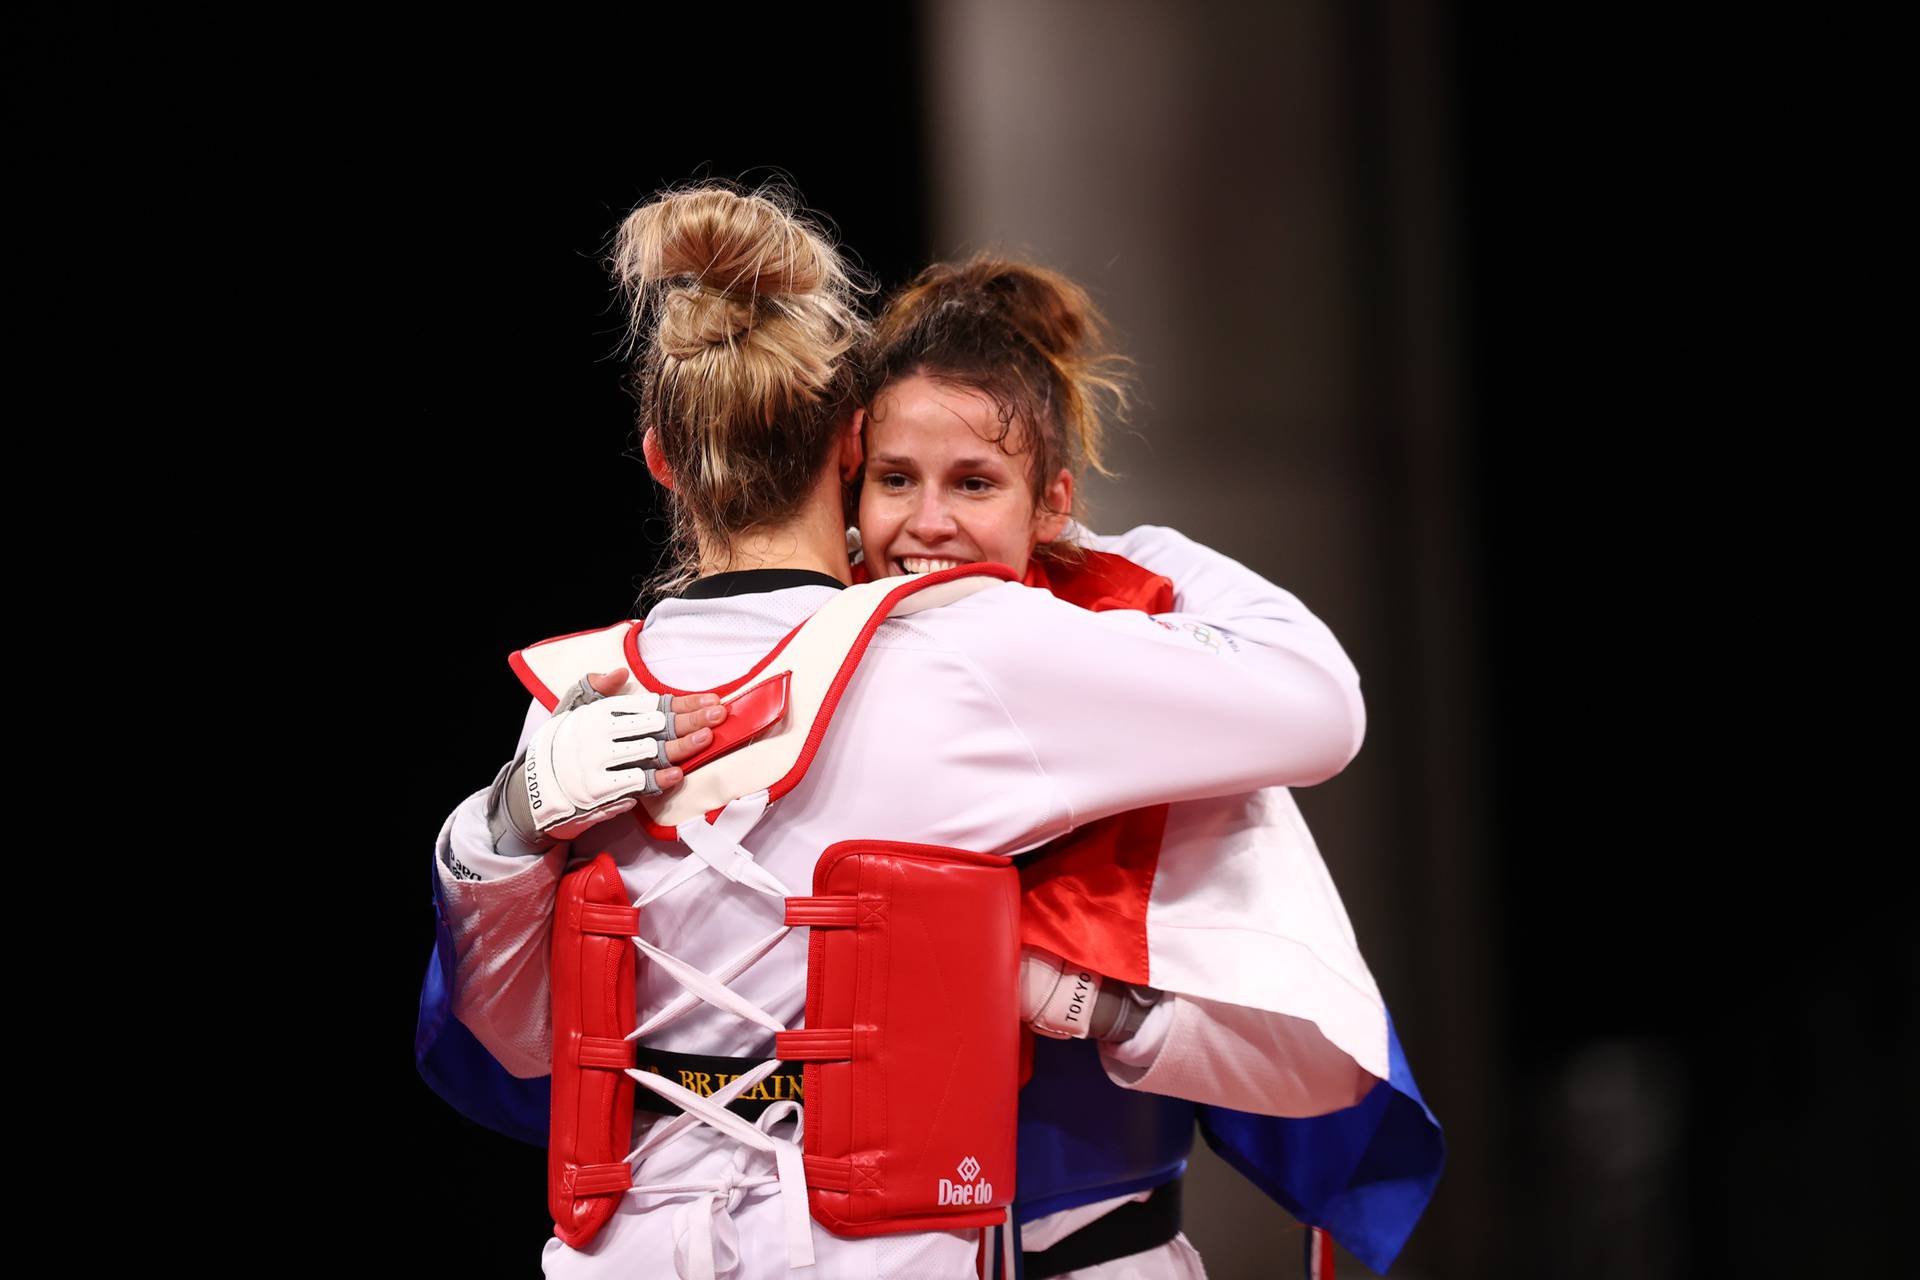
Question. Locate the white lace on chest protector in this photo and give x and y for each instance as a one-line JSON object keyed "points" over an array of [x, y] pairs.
{"points": [[705, 1245]]}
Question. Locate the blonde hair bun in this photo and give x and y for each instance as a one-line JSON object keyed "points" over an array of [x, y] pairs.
{"points": [[743, 316], [721, 266]]}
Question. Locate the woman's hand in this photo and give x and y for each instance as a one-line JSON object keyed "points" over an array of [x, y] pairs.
{"points": [[598, 754], [695, 717], [1070, 1002]]}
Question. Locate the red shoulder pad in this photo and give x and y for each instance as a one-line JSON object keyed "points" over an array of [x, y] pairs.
{"points": [[548, 667]]}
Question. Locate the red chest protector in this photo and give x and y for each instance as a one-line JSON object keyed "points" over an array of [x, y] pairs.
{"points": [[911, 1037], [592, 979]]}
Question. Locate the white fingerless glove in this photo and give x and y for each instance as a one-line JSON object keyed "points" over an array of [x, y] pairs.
{"points": [[1068, 1002], [592, 760]]}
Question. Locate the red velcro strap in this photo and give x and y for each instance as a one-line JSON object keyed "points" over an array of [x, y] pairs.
{"points": [[814, 1044], [598, 917], [599, 1179], [748, 714], [823, 912], [600, 1051], [824, 1174]]}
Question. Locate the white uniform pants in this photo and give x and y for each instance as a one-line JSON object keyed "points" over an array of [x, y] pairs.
{"points": [[1174, 1260], [749, 1238]]}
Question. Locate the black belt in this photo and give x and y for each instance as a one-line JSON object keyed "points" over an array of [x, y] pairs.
{"points": [[706, 1074], [1132, 1228]]}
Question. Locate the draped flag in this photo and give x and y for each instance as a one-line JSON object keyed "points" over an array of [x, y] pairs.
{"points": [[1229, 900]]}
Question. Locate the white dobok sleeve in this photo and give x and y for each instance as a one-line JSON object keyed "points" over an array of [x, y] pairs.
{"points": [[466, 850], [1207, 585], [500, 910], [1226, 1055], [1242, 689]]}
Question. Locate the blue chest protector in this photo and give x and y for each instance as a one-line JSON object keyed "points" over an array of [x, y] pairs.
{"points": [[1084, 1138], [1364, 1174]]}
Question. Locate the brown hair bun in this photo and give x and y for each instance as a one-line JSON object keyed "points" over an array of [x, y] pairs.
{"points": [[1028, 338]]}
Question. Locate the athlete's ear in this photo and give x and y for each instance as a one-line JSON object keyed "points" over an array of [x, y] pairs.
{"points": [[853, 447], [656, 460], [1056, 508]]}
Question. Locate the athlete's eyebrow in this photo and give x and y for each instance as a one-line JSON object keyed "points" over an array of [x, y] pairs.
{"points": [[984, 462]]}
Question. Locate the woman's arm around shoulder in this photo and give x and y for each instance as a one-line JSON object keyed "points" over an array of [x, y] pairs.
{"points": [[1241, 690], [1209, 585]]}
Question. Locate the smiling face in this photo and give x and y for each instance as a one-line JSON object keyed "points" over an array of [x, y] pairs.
{"points": [[939, 491]]}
